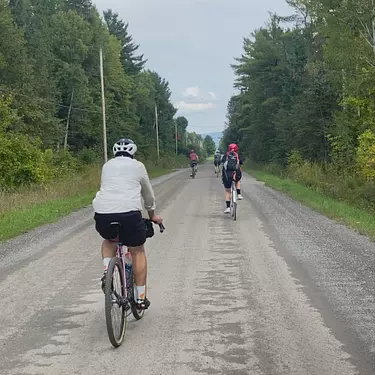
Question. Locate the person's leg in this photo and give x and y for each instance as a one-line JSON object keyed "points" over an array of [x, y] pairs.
{"points": [[102, 226], [238, 184], [226, 177], [108, 252], [135, 234], [140, 270]]}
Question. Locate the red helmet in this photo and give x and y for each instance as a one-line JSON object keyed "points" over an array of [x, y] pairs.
{"points": [[233, 147]]}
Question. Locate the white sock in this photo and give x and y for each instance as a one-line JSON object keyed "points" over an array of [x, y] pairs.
{"points": [[106, 262], [141, 291]]}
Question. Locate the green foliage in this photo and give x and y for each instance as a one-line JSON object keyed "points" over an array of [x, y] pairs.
{"points": [[366, 156], [132, 64], [21, 161], [50, 78], [305, 104], [209, 145]]}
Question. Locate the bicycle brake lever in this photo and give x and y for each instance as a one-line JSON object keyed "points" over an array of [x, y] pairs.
{"points": [[162, 228]]}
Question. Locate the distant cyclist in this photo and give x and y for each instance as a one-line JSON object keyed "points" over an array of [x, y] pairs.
{"points": [[123, 181], [231, 169], [194, 160], [217, 161]]}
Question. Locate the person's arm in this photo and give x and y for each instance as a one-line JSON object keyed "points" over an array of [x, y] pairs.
{"points": [[147, 192]]}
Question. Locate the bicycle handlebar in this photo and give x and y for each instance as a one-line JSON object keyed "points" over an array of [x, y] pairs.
{"points": [[161, 226]]}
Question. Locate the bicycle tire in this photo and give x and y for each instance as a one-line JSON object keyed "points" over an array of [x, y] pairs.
{"points": [[235, 211], [116, 341], [138, 314]]}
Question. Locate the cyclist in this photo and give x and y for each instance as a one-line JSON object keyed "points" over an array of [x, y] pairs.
{"points": [[217, 160], [123, 181], [231, 166], [194, 159]]}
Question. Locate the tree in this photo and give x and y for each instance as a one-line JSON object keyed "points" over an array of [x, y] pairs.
{"points": [[132, 63], [50, 77], [209, 145], [182, 124]]}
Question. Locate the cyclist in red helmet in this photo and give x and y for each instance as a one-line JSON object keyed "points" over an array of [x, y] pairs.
{"points": [[231, 164], [194, 160]]}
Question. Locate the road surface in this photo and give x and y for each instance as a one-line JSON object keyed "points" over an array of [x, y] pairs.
{"points": [[281, 291]]}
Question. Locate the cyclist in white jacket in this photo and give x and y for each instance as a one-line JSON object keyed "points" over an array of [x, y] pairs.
{"points": [[123, 181]]}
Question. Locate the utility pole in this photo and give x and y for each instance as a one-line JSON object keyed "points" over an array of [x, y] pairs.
{"points": [[103, 107], [157, 130], [175, 129], [67, 121]]}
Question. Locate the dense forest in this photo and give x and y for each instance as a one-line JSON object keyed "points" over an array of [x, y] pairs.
{"points": [[50, 91], [306, 97]]}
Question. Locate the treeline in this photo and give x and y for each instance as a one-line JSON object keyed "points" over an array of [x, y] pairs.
{"points": [[306, 100], [50, 92]]}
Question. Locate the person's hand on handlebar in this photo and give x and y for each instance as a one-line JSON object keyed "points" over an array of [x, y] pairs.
{"points": [[157, 219]]}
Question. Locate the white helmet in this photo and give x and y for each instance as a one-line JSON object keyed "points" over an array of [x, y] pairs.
{"points": [[125, 145]]}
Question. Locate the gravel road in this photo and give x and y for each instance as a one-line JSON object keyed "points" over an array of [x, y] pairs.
{"points": [[283, 290]]}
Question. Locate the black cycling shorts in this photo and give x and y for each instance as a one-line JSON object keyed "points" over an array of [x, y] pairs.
{"points": [[132, 230], [217, 162], [227, 178]]}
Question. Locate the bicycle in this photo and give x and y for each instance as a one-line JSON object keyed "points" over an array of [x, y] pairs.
{"points": [[233, 198], [124, 296], [193, 169], [217, 170]]}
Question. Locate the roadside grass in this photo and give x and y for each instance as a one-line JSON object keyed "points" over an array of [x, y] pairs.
{"points": [[356, 218], [29, 208]]}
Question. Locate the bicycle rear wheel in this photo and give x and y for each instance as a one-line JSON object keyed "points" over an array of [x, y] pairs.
{"points": [[234, 202], [115, 301]]}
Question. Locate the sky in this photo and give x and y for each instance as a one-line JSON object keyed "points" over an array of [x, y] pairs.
{"points": [[191, 43]]}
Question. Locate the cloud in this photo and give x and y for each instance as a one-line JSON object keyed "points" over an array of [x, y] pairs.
{"points": [[194, 99], [196, 92], [191, 92], [186, 107]]}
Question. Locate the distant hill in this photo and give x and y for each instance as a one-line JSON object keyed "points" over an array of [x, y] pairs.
{"points": [[215, 136]]}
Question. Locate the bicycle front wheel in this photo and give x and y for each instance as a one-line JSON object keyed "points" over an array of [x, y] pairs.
{"points": [[115, 303]]}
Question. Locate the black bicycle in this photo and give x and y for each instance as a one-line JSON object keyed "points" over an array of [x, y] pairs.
{"points": [[193, 169], [119, 289]]}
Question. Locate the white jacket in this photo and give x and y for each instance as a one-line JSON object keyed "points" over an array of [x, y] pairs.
{"points": [[124, 181]]}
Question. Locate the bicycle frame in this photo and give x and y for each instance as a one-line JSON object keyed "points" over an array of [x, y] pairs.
{"points": [[120, 253]]}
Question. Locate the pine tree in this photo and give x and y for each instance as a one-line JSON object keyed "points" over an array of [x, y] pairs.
{"points": [[132, 63]]}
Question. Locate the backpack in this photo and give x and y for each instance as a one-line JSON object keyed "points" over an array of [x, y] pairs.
{"points": [[231, 163]]}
